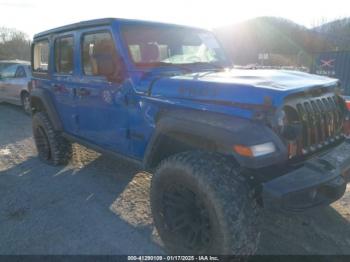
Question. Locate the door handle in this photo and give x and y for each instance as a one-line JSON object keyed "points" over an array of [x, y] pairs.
{"points": [[58, 88], [83, 91]]}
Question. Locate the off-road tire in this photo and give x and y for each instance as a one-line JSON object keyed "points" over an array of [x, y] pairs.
{"points": [[229, 200], [59, 150]]}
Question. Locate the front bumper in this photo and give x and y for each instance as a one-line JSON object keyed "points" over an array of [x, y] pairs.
{"points": [[320, 181]]}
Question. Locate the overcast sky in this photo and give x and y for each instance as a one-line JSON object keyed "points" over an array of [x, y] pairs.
{"points": [[32, 16]]}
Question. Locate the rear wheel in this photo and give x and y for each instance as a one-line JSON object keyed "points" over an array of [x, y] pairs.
{"points": [[201, 205], [52, 148], [26, 103]]}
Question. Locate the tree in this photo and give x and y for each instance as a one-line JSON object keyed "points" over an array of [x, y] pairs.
{"points": [[14, 44]]}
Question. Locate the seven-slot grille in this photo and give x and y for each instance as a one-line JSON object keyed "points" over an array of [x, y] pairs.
{"points": [[322, 122]]}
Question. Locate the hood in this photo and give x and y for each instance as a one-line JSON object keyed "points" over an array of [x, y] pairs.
{"points": [[237, 86]]}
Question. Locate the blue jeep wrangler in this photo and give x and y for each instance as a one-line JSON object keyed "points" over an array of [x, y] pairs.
{"points": [[221, 143]]}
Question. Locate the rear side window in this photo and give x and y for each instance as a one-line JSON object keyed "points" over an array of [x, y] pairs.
{"points": [[41, 56], [64, 53], [94, 47]]}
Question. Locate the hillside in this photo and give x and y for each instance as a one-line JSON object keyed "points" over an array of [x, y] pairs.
{"points": [[287, 42], [337, 32]]}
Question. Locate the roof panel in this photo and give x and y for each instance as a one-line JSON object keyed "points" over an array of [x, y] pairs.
{"points": [[100, 22], [70, 27]]}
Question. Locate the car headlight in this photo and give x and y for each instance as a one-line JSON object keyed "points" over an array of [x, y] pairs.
{"points": [[288, 123], [255, 150], [282, 119]]}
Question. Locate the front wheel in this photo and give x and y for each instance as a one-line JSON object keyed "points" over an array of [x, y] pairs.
{"points": [[201, 205]]}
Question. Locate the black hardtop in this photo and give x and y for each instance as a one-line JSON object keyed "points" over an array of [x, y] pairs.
{"points": [[75, 26], [99, 22]]}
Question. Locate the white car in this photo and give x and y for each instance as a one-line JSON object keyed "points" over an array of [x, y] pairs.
{"points": [[15, 76]]}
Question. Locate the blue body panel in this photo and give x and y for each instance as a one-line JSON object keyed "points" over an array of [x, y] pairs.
{"points": [[122, 117]]}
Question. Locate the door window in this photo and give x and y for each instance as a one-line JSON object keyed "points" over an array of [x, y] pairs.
{"points": [[9, 72], [20, 73], [99, 56], [41, 56], [64, 55]]}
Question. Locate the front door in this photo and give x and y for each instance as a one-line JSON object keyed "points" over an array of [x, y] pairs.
{"points": [[102, 108], [17, 84], [9, 83], [2, 89]]}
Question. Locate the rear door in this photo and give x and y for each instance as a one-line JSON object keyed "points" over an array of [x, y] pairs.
{"points": [[63, 84]]}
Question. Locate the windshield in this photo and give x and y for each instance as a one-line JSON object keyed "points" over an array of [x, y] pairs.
{"points": [[152, 45], [5, 65]]}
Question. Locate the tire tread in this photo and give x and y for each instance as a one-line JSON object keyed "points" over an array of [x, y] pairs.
{"points": [[61, 148], [238, 211]]}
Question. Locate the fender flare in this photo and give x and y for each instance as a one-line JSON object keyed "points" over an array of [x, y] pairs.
{"points": [[222, 130], [42, 98]]}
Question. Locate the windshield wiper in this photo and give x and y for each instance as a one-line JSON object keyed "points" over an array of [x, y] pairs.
{"points": [[164, 64], [220, 67], [182, 66]]}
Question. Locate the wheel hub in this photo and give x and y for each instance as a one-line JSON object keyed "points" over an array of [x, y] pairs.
{"points": [[187, 218]]}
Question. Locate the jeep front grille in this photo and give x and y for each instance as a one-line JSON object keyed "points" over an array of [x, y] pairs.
{"points": [[322, 122]]}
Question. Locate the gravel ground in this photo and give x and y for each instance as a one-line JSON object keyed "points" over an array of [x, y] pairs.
{"points": [[98, 205]]}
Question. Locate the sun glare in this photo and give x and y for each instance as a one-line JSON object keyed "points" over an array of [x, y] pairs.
{"points": [[37, 15]]}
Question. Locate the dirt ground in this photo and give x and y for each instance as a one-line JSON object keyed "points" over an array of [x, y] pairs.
{"points": [[98, 205]]}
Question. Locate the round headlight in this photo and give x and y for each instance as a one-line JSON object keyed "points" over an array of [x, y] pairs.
{"points": [[288, 123], [282, 118]]}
